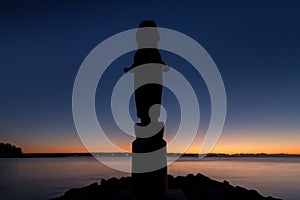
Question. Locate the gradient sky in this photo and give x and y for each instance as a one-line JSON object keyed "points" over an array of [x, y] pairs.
{"points": [[255, 45]]}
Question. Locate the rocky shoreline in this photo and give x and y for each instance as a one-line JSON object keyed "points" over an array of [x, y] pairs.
{"points": [[194, 187]]}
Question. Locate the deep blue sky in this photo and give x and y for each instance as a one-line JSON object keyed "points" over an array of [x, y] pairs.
{"points": [[255, 45]]}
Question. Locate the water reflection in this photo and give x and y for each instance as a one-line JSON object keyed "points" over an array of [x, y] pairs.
{"points": [[42, 178]]}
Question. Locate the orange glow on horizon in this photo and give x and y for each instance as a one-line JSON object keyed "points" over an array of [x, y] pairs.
{"points": [[221, 147], [229, 143]]}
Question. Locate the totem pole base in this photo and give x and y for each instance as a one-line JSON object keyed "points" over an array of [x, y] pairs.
{"points": [[148, 154], [151, 184]]}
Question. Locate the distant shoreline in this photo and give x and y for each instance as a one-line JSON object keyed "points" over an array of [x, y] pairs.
{"points": [[55, 155]]}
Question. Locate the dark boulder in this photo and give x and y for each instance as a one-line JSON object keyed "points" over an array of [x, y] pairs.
{"points": [[195, 187]]}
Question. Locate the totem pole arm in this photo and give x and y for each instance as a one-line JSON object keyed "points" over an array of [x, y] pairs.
{"points": [[166, 68], [128, 69]]}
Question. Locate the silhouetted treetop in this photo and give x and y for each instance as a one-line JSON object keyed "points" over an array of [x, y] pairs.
{"points": [[9, 150]]}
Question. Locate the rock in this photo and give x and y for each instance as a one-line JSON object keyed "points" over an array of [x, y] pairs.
{"points": [[194, 187], [225, 182]]}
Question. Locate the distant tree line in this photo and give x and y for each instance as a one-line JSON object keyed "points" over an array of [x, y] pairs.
{"points": [[9, 150]]}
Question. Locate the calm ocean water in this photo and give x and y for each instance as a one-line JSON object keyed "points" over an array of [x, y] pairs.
{"points": [[44, 178]]}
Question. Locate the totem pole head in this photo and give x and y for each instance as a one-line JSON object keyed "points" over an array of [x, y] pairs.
{"points": [[147, 35]]}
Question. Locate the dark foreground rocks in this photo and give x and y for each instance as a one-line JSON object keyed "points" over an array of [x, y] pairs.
{"points": [[195, 187]]}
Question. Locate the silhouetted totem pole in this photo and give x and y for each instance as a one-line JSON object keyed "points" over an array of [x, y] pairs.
{"points": [[149, 148]]}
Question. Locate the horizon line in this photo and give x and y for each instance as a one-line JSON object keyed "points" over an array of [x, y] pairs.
{"points": [[230, 154]]}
